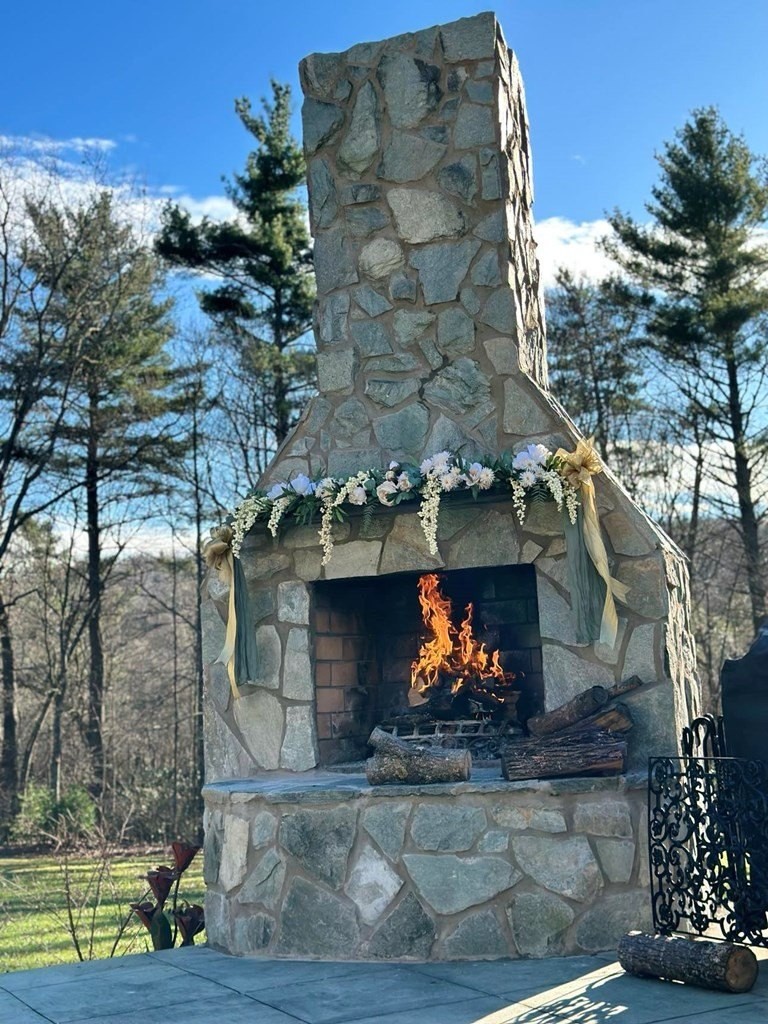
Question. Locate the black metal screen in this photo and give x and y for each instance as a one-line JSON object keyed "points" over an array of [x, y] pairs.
{"points": [[708, 840]]}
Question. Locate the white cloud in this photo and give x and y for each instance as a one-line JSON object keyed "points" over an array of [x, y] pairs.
{"points": [[71, 170], [213, 207], [43, 145], [564, 243]]}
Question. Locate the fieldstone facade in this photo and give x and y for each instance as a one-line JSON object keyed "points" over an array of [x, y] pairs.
{"points": [[480, 870], [430, 336]]}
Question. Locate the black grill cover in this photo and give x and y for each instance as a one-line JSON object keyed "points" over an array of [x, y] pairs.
{"points": [[744, 683]]}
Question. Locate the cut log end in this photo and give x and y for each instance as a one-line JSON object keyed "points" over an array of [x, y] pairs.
{"points": [[717, 965], [397, 762]]}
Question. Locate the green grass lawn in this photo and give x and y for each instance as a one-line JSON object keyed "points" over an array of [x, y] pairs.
{"points": [[33, 906]]}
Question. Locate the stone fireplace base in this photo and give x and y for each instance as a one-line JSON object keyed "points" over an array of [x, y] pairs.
{"points": [[326, 866]]}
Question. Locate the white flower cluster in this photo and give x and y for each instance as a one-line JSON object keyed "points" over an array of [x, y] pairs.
{"points": [[243, 518], [352, 490], [518, 499], [300, 484], [429, 510], [534, 464], [278, 511], [442, 475]]}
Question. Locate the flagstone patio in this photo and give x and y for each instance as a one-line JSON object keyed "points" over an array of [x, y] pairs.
{"points": [[199, 985]]}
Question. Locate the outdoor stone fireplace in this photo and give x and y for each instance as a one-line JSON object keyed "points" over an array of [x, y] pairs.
{"points": [[430, 336]]}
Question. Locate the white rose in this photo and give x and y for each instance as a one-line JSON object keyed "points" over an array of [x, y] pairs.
{"points": [[394, 465], [358, 496], [531, 456], [302, 484], [404, 482], [383, 492]]}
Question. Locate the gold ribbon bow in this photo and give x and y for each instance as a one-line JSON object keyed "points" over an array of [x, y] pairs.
{"points": [[218, 555], [578, 468]]}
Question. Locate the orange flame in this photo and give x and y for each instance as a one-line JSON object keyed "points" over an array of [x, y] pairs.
{"points": [[450, 651]]}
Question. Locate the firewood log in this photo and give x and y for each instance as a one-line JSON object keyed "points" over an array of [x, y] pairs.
{"points": [[631, 683], [719, 965], [574, 710], [396, 761], [591, 753], [615, 718]]}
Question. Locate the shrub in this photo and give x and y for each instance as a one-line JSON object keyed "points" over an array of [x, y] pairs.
{"points": [[42, 819]]}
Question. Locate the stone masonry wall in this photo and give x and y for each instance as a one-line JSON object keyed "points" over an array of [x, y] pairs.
{"points": [[437, 873]]}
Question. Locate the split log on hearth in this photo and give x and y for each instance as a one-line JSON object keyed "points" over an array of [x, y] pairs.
{"points": [[719, 965], [574, 710], [614, 718], [396, 761], [593, 753]]}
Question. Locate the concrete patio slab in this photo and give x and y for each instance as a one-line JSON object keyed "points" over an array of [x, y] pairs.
{"points": [[200, 985], [511, 977], [352, 997], [609, 994]]}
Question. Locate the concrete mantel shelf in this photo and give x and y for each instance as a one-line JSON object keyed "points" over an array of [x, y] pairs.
{"points": [[319, 786]]}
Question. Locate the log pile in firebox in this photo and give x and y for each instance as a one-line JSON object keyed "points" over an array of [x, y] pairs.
{"points": [[454, 675]]}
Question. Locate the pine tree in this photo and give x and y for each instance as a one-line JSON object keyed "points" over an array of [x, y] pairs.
{"points": [[700, 268], [120, 441], [262, 309], [594, 357]]}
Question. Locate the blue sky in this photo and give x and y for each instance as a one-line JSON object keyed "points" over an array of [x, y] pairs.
{"points": [[607, 80]]}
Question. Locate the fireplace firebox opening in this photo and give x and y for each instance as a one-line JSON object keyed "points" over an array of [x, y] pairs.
{"points": [[369, 634]]}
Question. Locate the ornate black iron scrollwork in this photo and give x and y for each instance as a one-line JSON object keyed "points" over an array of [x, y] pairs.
{"points": [[708, 840]]}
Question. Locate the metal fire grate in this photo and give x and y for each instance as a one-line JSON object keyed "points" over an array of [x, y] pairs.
{"points": [[482, 738], [708, 841]]}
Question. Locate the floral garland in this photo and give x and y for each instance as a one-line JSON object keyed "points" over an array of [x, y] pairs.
{"points": [[533, 472]]}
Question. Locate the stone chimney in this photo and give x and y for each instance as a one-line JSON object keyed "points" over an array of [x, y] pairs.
{"points": [[429, 324]]}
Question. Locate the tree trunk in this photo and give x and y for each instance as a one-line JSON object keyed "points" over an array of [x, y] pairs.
{"points": [[198, 744], [175, 695], [56, 745], [718, 965], [9, 759], [747, 513], [34, 734], [282, 405], [94, 732]]}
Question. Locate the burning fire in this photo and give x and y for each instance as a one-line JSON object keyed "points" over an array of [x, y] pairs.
{"points": [[452, 656]]}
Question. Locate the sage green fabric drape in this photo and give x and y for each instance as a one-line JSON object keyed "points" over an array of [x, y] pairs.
{"points": [[587, 588], [246, 653]]}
